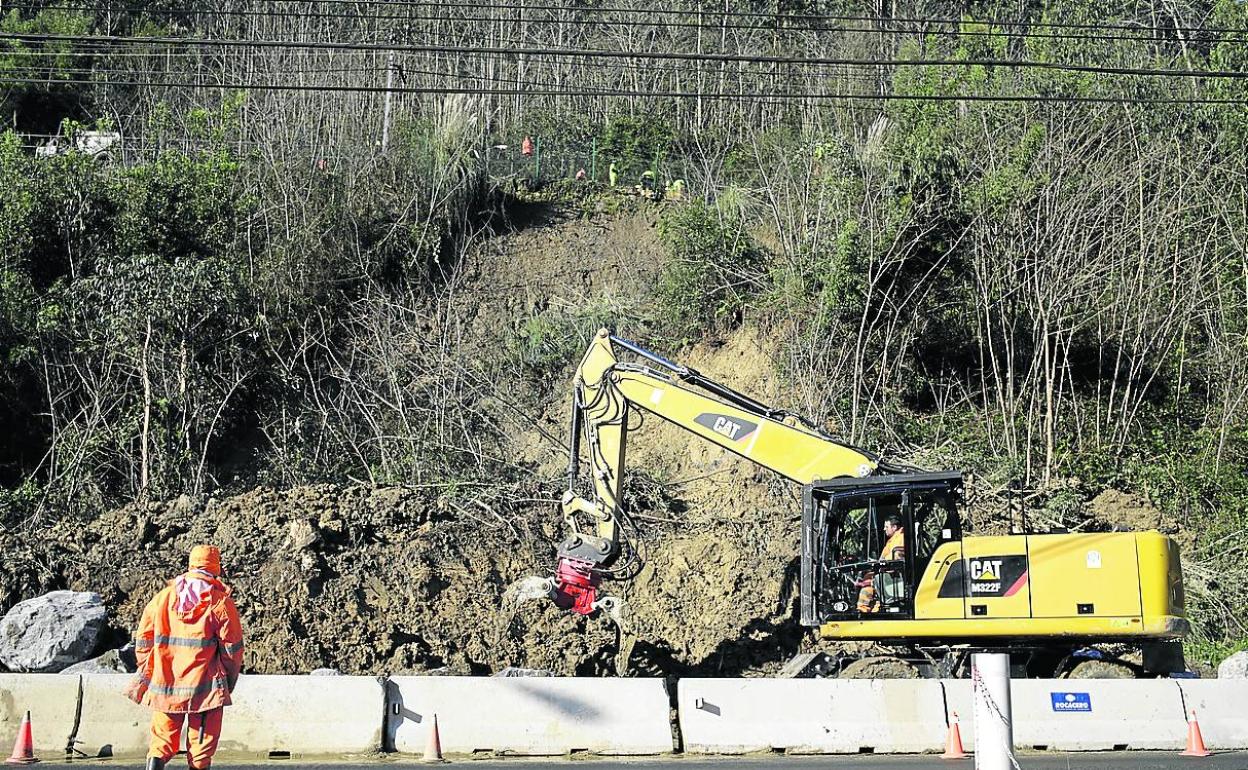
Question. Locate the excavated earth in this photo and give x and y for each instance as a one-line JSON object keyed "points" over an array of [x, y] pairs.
{"points": [[386, 580]]}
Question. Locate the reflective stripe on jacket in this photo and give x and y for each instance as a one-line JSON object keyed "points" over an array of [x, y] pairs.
{"points": [[189, 647]]}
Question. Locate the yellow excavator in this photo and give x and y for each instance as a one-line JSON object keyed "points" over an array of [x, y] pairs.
{"points": [[883, 556]]}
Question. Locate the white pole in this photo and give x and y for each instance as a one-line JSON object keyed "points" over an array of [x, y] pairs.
{"points": [[385, 117], [994, 728]]}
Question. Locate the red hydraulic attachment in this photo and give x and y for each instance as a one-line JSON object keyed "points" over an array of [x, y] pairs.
{"points": [[576, 585]]}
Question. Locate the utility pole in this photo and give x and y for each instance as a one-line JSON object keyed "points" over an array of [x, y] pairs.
{"points": [[385, 117]]}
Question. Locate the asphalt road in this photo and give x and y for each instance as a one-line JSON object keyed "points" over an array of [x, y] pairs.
{"points": [[1120, 760]]}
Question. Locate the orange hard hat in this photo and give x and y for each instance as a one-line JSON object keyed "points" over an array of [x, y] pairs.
{"points": [[207, 558]]}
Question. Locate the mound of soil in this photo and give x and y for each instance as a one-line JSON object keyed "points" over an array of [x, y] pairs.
{"points": [[388, 580], [1127, 512]]}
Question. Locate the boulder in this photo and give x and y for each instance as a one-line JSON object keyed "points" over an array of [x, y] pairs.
{"points": [[1234, 667], [325, 672], [111, 662], [53, 631]]}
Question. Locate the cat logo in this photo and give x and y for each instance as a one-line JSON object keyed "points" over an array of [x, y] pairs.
{"points": [[998, 575], [986, 569], [730, 427], [986, 576]]}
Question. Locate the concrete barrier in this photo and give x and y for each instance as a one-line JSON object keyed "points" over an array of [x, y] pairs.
{"points": [[305, 715], [810, 716], [1221, 707], [278, 716], [1084, 714], [272, 716], [537, 716], [52, 701]]}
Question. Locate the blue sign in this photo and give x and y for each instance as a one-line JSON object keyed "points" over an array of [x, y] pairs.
{"points": [[1072, 701]]}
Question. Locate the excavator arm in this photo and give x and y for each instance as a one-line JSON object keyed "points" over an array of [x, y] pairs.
{"points": [[606, 390]]}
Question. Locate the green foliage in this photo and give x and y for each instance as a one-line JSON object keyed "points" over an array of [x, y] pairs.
{"points": [[1014, 182], [181, 204], [59, 57], [1211, 652], [40, 103], [636, 144], [840, 278], [19, 502], [126, 273], [714, 267], [552, 338]]}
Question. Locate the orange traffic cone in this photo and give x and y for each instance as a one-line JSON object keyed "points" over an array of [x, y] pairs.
{"points": [[1195, 741], [953, 743], [24, 746], [433, 746]]}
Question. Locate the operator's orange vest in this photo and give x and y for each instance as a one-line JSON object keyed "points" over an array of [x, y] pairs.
{"points": [[895, 548], [189, 656]]}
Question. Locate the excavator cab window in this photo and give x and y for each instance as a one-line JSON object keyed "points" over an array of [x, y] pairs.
{"points": [[865, 564], [855, 564]]}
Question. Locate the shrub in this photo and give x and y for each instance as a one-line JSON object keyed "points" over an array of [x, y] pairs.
{"points": [[714, 269]]}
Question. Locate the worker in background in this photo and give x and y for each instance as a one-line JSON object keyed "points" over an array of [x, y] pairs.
{"points": [[613, 174], [526, 147], [649, 183], [675, 190], [189, 648], [894, 550]]}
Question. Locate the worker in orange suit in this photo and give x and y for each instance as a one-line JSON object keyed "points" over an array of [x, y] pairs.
{"points": [[190, 651], [894, 550]]}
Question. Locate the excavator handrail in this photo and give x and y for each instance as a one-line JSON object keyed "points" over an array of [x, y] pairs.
{"points": [[694, 377]]}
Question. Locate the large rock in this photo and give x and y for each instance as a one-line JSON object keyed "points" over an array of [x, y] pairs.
{"points": [[112, 662], [1234, 667], [50, 632]]}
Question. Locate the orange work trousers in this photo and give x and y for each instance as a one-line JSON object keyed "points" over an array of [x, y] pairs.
{"points": [[203, 731]]}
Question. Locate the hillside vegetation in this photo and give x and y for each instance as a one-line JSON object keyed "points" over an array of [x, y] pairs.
{"points": [[1036, 273]]}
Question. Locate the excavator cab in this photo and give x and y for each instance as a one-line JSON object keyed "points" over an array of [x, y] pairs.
{"points": [[850, 568]]}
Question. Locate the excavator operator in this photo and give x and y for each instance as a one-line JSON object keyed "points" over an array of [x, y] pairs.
{"points": [[894, 550]]}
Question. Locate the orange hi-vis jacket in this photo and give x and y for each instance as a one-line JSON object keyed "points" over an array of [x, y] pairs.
{"points": [[189, 647], [895, 548]]}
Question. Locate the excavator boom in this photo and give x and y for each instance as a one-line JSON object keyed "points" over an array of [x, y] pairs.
{"points": [[606, 390]]}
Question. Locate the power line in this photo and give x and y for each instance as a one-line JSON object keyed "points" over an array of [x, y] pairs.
{"points": [[47, 73], [877, 20], [51, 71], [218, 12], [616, 54], [758, 97]]}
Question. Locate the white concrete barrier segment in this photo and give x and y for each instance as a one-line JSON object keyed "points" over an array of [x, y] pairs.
{"points": [[52, 701], [271, 716], [304, 715], [1221, 707], [1084, 714], [811, 716], [537, 716]]}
